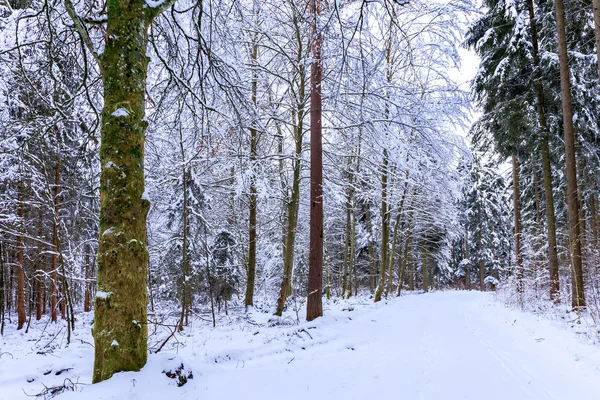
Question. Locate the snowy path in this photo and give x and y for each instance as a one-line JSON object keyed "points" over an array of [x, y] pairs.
{"points": [[451, 345]]}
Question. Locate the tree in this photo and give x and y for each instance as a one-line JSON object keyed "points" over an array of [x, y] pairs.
{"points": [[120, 319], [314, 307], [578, 299]]}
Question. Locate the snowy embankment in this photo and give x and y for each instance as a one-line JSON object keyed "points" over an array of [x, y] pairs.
{"points": [[445, 345]]}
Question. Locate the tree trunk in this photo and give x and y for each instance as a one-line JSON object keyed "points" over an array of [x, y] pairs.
{"points": [[87, 296], [517, 216], [253, 197], [468, 267], [54, 276], [346, 261], [578, 300], [596, 10], [384, 228], [371, 247], [314, 306], [292, 208], [40, 289], [546, 167], [120, 319], [21, 314], [424, 271], [2, 289]]}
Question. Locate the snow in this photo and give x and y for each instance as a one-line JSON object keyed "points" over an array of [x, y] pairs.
{"points": [[154, 3], [121, 112], [444, 345], [103, 295], [145, 195]]}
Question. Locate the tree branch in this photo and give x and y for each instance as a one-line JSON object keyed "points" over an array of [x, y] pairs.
{"points": [[80, 28]]}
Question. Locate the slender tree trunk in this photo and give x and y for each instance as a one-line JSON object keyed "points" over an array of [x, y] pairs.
{"points": [[481, 264], [54, 276], [184, 246], [40, 289], [345, 261], [546, 167], [253, 197], [578, 300], [594, 219], [293, 205], [596, 10], [21, 314], [468, 267], [371, 247], [2, 289], [424, 270], [120, 319], [87, 296], [384, 228], [314, 306], [517, 216]]}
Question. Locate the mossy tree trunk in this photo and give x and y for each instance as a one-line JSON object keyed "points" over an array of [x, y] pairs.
{"points": [[120, 320]]}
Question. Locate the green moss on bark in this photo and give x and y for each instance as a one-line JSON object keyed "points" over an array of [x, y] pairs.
{"points": [[120, 320]]}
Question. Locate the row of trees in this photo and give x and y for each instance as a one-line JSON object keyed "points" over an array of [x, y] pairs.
{"points": [[161, 150], [538, 89]]}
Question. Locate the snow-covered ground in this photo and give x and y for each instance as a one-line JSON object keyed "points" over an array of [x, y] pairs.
{"points": [[444, 345]]}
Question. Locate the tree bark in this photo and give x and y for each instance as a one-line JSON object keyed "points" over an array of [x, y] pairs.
{"points": [[54, 276], [120, 320], [253, 196], [517, 216], [596, 10], [546, 167], [578, 299], [314, 306], [40, 289], [384, 228], [21, 314], [87, 296], [292, 207]]}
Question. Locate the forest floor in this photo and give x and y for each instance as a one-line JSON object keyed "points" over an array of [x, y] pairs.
{"points": [[443, 345]]}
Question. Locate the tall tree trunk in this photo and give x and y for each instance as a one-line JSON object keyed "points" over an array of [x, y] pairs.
{"points": [[480, 263], [345, 262], [292, 207], [578, 300], [546, 167], [253, 196], [517, 216], [385, 215], [87, 296], [370, 246], [40, 289], [184, 245], [2, 289], [314, 306], [120, 318], [21, 314], [468, 266], [596, 10], [424, 269], [54, 276]]}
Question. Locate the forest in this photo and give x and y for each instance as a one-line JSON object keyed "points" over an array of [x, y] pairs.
{"points": [[173, 170]]}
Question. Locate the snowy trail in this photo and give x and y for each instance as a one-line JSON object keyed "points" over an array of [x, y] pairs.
{"points": [[448, 345]]}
